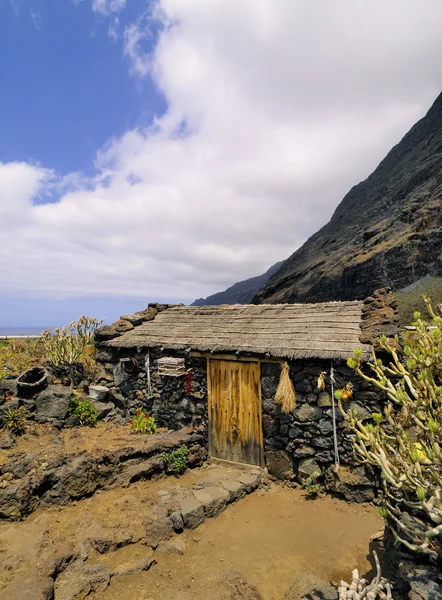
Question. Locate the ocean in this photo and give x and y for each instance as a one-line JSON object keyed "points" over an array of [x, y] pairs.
{"points": [[21, 331]]}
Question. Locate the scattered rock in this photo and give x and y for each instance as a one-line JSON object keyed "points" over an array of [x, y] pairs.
{"points": [[174, 546], [80, 580], [239, 588], [177, 521], [128, 560]]}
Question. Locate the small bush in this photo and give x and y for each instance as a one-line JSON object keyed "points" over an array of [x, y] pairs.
{"points": [[176, 460], [143, 423], [15, 420], [311, 487], [85, 411]]}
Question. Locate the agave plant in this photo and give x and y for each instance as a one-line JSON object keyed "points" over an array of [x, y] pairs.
{"points": [[15, 420]]}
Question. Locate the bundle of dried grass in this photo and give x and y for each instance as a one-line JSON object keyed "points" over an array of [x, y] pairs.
{"points": [[285, 393]]}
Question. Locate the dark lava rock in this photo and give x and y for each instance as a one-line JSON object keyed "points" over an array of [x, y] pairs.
{"points": [[105, 333], [354, 484], [122, 325], [53, 404], [31, 381]]}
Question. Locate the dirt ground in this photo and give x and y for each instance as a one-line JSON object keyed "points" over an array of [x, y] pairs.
{"points": [[273, 538], [49, 443]]}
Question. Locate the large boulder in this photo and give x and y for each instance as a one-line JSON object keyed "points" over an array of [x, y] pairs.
{"points": [[53, 404], [280, 464]]}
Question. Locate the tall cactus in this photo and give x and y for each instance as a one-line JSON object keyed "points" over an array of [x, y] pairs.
{"points": [[404, 441]]}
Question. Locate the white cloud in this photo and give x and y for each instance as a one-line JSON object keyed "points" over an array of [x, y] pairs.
{"points": [[275, 110], [106, 7]]}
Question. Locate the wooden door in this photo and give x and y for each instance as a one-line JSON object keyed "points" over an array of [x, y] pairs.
{"points": [[235, 413]]}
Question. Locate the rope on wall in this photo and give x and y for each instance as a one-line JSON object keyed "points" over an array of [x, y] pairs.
{"points": [[335, 435], [147, 366]]}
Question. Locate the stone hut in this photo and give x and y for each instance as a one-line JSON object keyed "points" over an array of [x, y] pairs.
{"points": [[217, 368]]}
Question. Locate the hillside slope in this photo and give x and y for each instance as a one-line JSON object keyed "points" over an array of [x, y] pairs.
{"points": [[241, 292], [386, 231]]}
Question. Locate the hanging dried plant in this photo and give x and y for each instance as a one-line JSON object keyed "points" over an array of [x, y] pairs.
{"points": [[285, 393], [321, 381]]}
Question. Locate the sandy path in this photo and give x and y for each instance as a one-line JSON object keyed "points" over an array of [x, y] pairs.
{"points": [[273, 538]]}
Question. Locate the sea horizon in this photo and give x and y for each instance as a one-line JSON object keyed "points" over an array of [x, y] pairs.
{"points": [[22, 331]]}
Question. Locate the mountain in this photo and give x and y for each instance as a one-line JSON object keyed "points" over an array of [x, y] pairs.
{"points": [[239, 293], [386, 231]]}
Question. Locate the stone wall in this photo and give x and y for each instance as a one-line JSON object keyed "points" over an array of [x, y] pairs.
{"points": [[297, 445], [300, 444], [174, 402]]}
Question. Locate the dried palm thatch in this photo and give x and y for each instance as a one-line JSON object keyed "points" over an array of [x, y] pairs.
{"points": [[285, 393], [287, 331]]}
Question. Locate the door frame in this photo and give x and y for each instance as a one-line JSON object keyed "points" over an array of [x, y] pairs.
{"points": [[223, 357]]}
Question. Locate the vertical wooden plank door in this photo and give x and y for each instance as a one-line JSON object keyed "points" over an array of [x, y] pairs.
{"points": [[235, 412]]}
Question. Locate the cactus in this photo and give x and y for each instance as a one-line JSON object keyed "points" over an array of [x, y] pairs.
{"points": [[405, 439]]}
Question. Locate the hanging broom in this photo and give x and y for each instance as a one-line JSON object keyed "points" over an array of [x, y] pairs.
{"points": [[285, 393]]}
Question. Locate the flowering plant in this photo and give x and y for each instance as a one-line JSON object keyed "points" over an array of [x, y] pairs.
{"points": [[142, 422]]}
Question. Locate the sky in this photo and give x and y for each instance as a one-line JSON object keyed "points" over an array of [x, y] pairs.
{"points": [[163, 150]]}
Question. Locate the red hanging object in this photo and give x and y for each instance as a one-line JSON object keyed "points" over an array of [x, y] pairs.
{"points": [[188, 382]]}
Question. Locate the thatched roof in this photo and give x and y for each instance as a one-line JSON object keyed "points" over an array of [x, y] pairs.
{"points": [[327, 330]]}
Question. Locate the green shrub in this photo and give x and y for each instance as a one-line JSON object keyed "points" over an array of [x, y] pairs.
{"points": [[176, 460], [15, 420], [85, 411], [311, 487], [143, 423]]}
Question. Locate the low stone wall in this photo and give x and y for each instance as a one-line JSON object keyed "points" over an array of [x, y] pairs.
{"points": [[33, 480]]}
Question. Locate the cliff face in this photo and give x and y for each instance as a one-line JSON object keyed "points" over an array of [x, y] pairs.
{"points": [[241, 292], [387, 231]]}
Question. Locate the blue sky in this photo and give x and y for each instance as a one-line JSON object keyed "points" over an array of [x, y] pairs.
{"points": [[160, 150], [66, 84]]}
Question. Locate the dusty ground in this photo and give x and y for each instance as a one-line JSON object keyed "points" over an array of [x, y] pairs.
{"points": [[273, 538], [49, 443]]}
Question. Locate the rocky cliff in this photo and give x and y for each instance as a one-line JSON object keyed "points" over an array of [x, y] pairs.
{"points": [[241, 292], [387, 231]]}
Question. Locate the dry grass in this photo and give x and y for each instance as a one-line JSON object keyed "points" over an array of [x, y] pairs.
{"points": [[285, 393], [18, 355]]}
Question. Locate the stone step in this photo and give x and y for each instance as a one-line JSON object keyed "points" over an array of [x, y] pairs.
{"points": [[210, 496]]}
